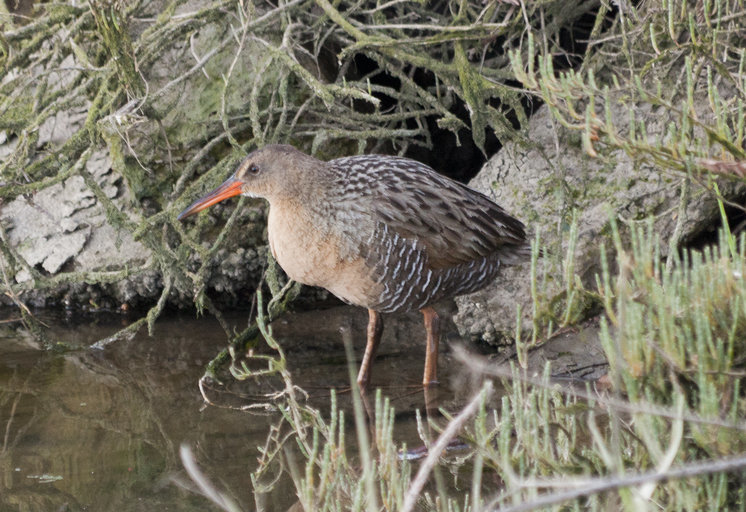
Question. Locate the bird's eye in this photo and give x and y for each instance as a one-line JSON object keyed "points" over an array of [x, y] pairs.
{"points": [[253, 169]]}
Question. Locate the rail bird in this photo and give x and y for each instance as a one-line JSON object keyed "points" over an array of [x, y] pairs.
{"points": [[382, 232]]}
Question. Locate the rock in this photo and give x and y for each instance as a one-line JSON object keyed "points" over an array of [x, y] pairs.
{"points": [[62, 231], [63, 228], [64, 223], [546, 184]]}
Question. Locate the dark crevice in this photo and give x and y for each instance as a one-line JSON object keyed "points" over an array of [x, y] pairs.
{"points": [[708, 234]]}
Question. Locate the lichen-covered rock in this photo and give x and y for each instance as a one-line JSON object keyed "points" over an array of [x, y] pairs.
{"points": [[66, 248], [554, 179], [63, 227], [64, 221]]}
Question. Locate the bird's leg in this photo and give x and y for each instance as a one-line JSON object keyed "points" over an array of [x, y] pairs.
{"points": [[375, 329], [431, 404], [432, 326]]}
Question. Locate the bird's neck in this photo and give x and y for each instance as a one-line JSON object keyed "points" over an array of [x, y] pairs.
{"points": [[300, 185], [306, 211]]}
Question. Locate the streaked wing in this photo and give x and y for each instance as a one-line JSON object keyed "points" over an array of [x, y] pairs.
{"points": [[454, 223]]}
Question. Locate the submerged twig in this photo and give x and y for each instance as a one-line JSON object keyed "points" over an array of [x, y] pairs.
{"points": [[206, 487]]}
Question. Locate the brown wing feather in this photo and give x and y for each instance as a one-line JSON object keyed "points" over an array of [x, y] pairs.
{"points": [[459, 226], [454, 223]]}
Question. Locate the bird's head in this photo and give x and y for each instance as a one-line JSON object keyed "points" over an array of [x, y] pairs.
{"points": [[273, 172]]}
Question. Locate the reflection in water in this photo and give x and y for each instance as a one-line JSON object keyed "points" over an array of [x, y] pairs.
{"points": [[101, 429]]}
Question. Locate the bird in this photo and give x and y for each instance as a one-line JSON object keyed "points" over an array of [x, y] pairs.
{"points": [[383, 232]]}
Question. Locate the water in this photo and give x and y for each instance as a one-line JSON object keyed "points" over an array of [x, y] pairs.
{"points": [[101, 429]]}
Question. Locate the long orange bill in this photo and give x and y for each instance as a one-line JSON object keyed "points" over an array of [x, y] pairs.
{"points": [[231, 187]]}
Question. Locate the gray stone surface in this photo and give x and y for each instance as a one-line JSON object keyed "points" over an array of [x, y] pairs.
{"points": [[64, 224], [63, 228], [546, 184]]}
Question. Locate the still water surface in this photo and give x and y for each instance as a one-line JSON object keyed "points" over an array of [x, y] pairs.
{"points": [[101, 429]]}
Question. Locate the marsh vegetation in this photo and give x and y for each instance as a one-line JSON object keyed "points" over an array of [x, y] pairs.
{"points": [[116, 115]]}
